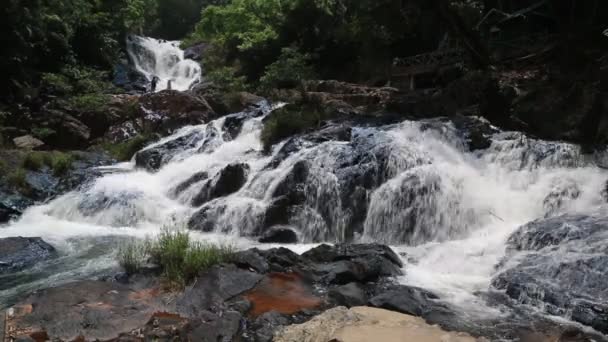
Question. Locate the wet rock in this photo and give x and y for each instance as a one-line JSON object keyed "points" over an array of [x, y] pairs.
{"points": [[279, 234], [153, 158], [91, 204], [229, 180], [195, 178], [27, 142], [349, 295], [560, 263], [215, 286], [201, 220], [406, 299], [17, 253], [562, 193], [290, 192], [195, 52], [282, 259], [285, 293], [129, 78], [345, 263], [267, 324], [168, 110], [367, 324], [251, 259]]}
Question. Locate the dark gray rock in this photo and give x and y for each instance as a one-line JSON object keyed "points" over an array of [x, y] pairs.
{"points": [[282, 259], [154, 158], [349, 295], [267, 324], [251, 259], [224, 327], [195, 52], [229, 180], [559, 264], [345, 263], [215, 286], [195, 178], [279, 234], [18, 253]]}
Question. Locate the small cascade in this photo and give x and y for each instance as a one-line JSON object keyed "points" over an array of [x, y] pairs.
{"points": [[164, 60]]}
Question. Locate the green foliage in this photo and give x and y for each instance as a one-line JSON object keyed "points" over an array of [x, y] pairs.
{"points": [[288, 71], [180, 258], [226, 79], [58, 162], [94, 102], [124, 151], [288, 121], [56, 83], [18, 180], [43, 132], [3, 167]]}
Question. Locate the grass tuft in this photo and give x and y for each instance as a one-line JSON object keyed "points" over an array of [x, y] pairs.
{"points": [[180, 258], [124, 151]]}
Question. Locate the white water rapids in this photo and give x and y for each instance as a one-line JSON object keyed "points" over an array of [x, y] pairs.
{"points": [[449, 211], [462, 221], [165, 60]]}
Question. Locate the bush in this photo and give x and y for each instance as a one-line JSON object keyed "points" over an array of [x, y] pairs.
{"points": [[18, 180], [180, 258], [288, 71], [226, 79], [288, 121], [94, 102], [59, 162], [56, 84], [124, 151], [34, 161]]}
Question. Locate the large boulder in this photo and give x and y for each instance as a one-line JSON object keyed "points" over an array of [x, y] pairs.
{"points": [[167, 110], [27, 142], [66, 130], [559, 265], [195, 52], [17, 253]]}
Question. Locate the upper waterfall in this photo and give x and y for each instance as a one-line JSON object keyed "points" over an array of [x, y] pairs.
{"points": [[165, 60]]}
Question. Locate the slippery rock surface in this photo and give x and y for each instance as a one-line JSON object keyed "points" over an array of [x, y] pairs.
{"points": [[17, 253], [560, 265], [362, 324]]}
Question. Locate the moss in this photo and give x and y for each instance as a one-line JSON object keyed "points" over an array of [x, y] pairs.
{"points": [[288, 121], [180, 258], [124, 151]]}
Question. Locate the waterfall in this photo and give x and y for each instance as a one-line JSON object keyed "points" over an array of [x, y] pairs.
{"points": [[413, 185], [165, 60]]}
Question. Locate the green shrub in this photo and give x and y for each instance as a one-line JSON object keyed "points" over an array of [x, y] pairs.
{"points": [[3, 167], [180, 258], [288, 71], [43, 132], [18, 180], [124, 151], [227, 79], [61, 162], [288, 121], [34, 161], [133, 254], [56, 83], [94, 102]]}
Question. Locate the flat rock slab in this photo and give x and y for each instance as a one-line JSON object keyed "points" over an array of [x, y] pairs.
{"points": [[84, 310], [363, 324]]}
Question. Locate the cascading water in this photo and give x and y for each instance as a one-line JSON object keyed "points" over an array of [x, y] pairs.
{"points": [[165, 60], [413, 185]]}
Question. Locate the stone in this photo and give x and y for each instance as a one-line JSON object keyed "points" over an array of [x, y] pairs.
{"points": [[27, 142], [267, 324], [279, 234], [213, 287], [18, 253], [195, 178], [153, 158], [195, 52], [165, 111], [349, 295], [251, 259], [561, 263], [363, 324], [229, 180]]}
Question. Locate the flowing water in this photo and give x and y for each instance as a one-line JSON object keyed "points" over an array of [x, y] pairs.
{"points": [[165, 60], [449, 211]]}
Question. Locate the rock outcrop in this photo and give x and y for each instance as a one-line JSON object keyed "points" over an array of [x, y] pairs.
{"points": [[362, 324], [18, 253]]}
